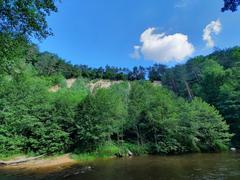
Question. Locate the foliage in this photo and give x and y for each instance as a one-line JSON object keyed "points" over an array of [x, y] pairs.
{"points": [[156, 72], [157, 119], [205, 128], [231, 5], [65, 102], [138, 73], [214, 78], [134, 148], [49, 64], [26, 119], [26, 17], [12, 54], [134, 115], [228, 103], [109, 150], [99, 116]]}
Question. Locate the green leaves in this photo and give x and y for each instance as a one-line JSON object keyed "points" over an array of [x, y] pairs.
{"points": [[26, 17], [214, 78], [100, 116], [156, 119], [32, 119], [29, 121]]}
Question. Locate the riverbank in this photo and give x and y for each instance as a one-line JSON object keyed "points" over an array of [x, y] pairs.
{"points": [[45, 164], [56, 163], [187, 166]]}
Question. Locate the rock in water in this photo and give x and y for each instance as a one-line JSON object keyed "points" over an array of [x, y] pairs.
{"points": [[130, 153]]}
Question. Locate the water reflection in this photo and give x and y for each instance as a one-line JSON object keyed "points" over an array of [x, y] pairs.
{"points": [[194, 166]]}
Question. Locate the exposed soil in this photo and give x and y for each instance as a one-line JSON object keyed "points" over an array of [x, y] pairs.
{"points": [[102, 84], [44, 165], [70, 82]]}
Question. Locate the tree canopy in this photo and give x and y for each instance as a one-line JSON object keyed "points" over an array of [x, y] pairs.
{"points": [[195, 108], [214, 79], [26, 17], [231, 5]]}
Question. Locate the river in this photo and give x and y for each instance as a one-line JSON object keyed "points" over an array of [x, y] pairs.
{"points": [[192, 166]]}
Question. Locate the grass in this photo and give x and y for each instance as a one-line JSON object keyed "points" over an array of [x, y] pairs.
{"points": [[84, 157], [135, 149], [8, 157], [106, 151], [109, 150], [16, 155]]}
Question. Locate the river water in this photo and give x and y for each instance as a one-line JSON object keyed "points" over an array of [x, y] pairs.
{"points": [[193, 166]]}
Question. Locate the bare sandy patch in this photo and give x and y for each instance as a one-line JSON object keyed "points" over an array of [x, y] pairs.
{"points": [[44, 165]]}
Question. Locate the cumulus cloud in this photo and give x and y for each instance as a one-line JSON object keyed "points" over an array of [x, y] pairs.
{"points": [[214, 27], [163, 48]]}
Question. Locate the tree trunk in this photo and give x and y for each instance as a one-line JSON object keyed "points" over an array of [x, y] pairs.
{"points": [[6, 163], [174, 86], [188, 90]]}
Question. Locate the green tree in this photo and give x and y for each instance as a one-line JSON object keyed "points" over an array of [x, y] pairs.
{"points": [[65, 102], [156, 72], [211, 79], [230, 5], [99, 117], [138, 73], [49, 64], [203, 128], [26, 17], [13, 52], [229, 102], [151, 116], [26, 118]]}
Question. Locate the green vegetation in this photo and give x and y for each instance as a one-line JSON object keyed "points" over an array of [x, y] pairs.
{"points": [[26, 17], [34, 120], [214, 78], [135, 115], [109, 150]]}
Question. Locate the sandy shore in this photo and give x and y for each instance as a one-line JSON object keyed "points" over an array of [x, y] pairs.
{"points": [[44, 165]]}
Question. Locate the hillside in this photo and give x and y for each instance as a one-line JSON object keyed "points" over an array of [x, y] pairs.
{"points": [[148, 118], [215, 78], [93, 84]]}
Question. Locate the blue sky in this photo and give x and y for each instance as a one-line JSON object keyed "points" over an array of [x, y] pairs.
{"points": [[101, 32]]}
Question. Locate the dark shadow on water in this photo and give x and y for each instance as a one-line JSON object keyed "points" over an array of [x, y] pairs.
{"points": [[192, 166]]}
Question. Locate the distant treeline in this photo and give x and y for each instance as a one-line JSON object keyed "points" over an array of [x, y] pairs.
{"points": [[49, 64]]}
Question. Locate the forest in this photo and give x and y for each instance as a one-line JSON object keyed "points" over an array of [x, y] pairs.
{"points": [[194, 107]]}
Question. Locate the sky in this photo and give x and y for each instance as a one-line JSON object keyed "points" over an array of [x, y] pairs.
{"points": [[127, 33]]}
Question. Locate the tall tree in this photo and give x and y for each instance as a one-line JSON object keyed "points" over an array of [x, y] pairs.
{"points": [[231, 5], [156, 72], [229, 102], [138, 73], [13, 52], [26, 17]]}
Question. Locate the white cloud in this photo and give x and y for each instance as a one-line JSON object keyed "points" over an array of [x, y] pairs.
{"points": [[164, 48], [184, 3], [181, 3], [136, 54], [214, 27]]}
